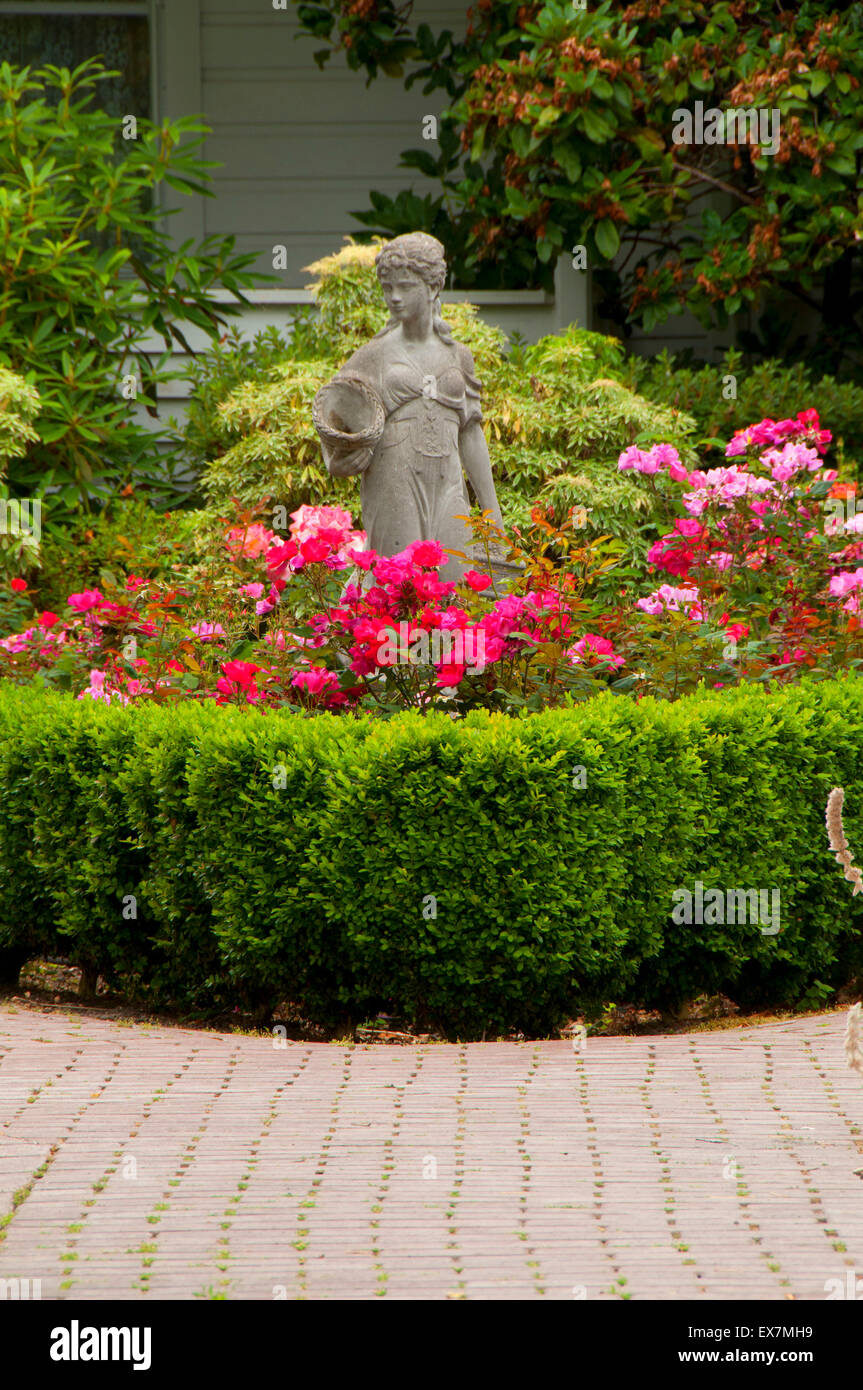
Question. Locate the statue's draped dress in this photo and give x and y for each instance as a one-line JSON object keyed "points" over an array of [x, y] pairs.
{"points": [[414, 487]]}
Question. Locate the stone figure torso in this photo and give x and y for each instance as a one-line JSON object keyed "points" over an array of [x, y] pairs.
{"points": [[414, 487], [404, 412]]}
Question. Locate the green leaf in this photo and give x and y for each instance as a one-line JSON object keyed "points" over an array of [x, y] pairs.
{"points": [[841, 164], [568, 160], [607, 238], [595, 127], [243, 650]]}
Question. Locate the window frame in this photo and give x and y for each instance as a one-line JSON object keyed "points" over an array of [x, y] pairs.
{"points": [[175, 71], [95, 9], [76, 7]]}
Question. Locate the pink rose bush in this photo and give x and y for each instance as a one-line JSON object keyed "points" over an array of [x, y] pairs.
{"points": [[327, 625], [747, 581], [753, 561]]}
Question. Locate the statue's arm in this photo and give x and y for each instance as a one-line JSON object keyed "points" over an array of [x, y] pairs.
{"points": [[344, 458], [477, 465]]}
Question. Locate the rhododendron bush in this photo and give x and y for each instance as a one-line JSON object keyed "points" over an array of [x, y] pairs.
{"points": [[757, 576]]}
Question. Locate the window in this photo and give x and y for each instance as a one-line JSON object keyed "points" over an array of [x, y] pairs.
{"points": [[65, 32]]}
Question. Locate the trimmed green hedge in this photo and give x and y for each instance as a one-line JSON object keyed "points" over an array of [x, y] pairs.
{"points": [[454, 873]]}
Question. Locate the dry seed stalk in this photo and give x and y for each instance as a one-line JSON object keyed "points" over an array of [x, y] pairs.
{"points": [[838, 843]]}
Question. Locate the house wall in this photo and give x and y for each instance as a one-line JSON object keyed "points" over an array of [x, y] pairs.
{"points": [[299, 148]]}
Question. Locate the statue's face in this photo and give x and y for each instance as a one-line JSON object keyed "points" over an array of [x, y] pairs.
{"points": [[406, 293]]}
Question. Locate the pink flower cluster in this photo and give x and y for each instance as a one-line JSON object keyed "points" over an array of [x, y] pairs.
{"points": [[652, 460], [404, 594], [845, 583], [318, 535], [723, 487], [667, 599], [308, 522], [91, 615], [771, 432], [675, 551], [790, 459]]}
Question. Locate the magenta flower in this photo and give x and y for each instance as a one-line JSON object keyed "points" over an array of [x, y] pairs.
{"points": [[242, 672], [449, 674], [315, 681], [476, 581], [429, 554], [593, 648], [313, 551], [665, 455], [83, 602], [842, 584], [633, 457]]}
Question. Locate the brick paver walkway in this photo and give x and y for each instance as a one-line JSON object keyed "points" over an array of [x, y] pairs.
{"points": [[172, 1163]]}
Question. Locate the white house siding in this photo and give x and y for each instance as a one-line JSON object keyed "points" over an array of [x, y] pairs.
{"points": [[300, 148]]}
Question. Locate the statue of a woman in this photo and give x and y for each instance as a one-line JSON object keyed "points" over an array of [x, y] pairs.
{"points": [[404, 411]]}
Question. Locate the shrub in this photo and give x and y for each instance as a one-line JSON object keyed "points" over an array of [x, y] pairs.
{"points": [[88, 275], [566, 130], [128, 537], [463, 875], [26, 919], [176, 915], [19, 406], [767, 767], [213, 376], [81, 848]]}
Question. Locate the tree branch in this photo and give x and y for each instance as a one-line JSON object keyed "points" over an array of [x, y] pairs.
{"points": [[717, 183]]}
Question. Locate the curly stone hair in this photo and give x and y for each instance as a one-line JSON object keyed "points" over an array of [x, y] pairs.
{"points": [[425, 256]]}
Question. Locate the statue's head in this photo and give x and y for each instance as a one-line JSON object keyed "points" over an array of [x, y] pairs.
{"points": [[416, 252], [411, 264]]}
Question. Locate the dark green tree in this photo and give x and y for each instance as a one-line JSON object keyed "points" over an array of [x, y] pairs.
{"points": [[561, 133]]}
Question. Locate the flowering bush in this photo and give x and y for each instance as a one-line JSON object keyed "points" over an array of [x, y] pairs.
{"points": [[317, 621], [764, 584], [757, 559]]}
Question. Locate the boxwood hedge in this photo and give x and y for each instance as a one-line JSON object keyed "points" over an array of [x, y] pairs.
{"points": [[487, 874]]}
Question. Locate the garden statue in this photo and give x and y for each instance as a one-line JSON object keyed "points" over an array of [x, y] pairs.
{"points": [[404, 412]]}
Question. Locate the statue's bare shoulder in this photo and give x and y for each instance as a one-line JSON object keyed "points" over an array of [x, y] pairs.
{"points": [[366, 362]]}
